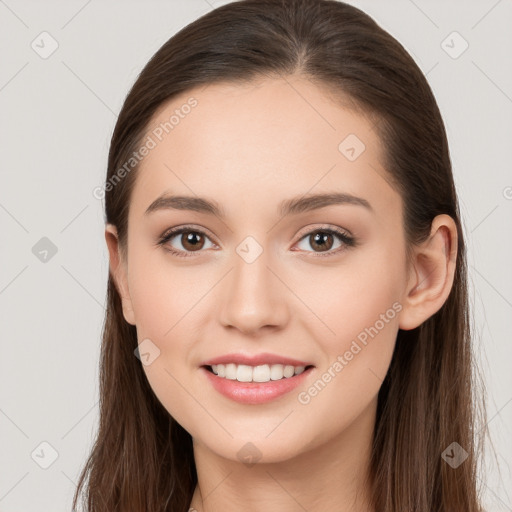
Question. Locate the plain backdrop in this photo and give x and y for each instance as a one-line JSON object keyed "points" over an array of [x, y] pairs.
{"points": [[66, 68]]}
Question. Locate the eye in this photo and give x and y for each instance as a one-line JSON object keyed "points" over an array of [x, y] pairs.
{"points": [[323, 240], [191, 240]]}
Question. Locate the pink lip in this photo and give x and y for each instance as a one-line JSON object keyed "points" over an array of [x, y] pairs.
{"points": [[254, 393], [255, 360]]}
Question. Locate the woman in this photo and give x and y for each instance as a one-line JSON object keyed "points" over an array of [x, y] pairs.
{"points": [[287, 324]]}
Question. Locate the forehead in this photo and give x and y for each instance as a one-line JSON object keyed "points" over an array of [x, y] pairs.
{"points": [[259, 142]]}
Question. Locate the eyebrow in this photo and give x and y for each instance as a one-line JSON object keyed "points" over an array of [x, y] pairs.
{"points": [[291, 206]]}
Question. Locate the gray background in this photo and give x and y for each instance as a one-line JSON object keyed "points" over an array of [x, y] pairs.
{"points": [[57, 117]]}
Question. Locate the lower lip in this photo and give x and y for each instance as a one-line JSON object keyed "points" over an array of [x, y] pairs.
{"points": [[255, 392]]}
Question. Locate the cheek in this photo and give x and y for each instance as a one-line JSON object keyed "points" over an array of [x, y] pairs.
{"points": [[354, 312], [161, 293], [346, 301], [359, 310], [163, 299]]}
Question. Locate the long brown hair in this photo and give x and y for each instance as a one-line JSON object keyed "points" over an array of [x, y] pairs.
{"points": [[142, 458]]}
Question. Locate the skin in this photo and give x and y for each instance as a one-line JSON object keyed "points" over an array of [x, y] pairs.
{"points": [[249, 147]]}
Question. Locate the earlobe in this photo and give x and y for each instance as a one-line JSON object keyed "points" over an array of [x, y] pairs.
{"points": [[118, 271], [431, 275]]}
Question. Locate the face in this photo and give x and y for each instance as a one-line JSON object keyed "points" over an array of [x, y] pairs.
{"points": [[320, 282]]}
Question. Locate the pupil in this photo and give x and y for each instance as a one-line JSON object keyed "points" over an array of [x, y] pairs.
{"points": [[320, 240], [193, 239]]}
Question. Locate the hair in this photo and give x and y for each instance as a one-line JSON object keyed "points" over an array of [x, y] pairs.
{"points": [[142, 459]]}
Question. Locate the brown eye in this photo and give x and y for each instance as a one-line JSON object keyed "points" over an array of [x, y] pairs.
{"points": [[192, 240], [321, 240], [189, 241]]}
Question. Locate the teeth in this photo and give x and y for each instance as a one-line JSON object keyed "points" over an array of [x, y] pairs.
{"points": [[262, 373]]}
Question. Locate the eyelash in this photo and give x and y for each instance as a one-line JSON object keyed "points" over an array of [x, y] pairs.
{"points": [[347, 240]]}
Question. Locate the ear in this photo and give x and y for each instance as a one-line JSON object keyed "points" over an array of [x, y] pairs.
{"points": [[431, 273], [119, 271]]}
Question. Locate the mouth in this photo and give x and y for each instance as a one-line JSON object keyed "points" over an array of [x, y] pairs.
{"points": [[256, 374], [256, 385]]}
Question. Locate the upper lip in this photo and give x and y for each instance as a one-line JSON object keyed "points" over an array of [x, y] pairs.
{"points": [[255, 360]]}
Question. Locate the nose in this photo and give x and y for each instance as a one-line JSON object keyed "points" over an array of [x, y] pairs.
{"points": [[254, 297]]}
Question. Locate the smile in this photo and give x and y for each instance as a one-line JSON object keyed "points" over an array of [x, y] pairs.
{"points": [[260, 373], [251, 391]]}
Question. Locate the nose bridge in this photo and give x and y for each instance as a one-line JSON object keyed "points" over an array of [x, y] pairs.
{"points": [[254, 297]]}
